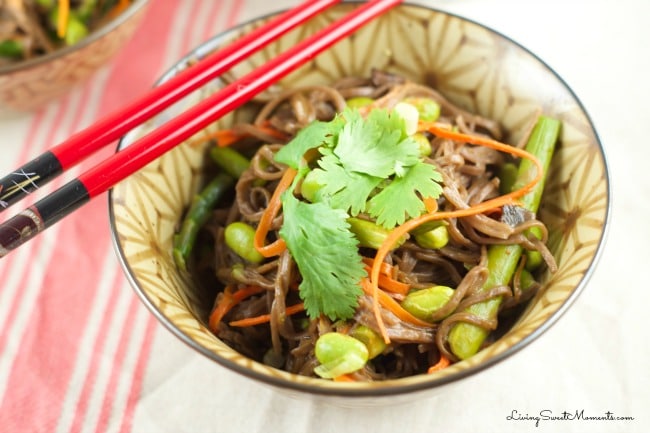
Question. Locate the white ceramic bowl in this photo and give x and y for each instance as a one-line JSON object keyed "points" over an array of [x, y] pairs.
{"points": [[472, 65]]}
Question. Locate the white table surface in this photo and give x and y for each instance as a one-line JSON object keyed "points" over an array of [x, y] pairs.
{"points": [[596, 358]]}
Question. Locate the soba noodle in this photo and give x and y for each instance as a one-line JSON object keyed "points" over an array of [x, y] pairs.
{"points": [[469, 176]]}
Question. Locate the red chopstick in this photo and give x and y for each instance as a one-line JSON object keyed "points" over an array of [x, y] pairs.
{"points": [[47, 211], [79, 146]]}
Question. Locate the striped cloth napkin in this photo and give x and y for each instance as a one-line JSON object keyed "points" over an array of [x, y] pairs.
{"points": [[75, 341]]}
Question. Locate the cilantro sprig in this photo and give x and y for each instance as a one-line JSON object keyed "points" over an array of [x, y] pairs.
{"points": [[326, 253], [366, 165]]}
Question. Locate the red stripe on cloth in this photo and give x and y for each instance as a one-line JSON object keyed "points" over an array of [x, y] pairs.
{"points": [[117, 361], [8, 263], [138, 376], [42, 369], [209, 31], [97, 355]]}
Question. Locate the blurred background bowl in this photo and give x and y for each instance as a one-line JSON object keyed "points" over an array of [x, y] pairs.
{"points": [[472, 65], [29, 84]]}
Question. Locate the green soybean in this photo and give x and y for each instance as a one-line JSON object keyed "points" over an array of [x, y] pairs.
{"points": [[465, 339], [428, 109], [423, 143], [434, 239], [373, 341], [75, 31], [339, 354], [310, 187], [369, 234], [423, 303], [239, 238], [359, 101]]}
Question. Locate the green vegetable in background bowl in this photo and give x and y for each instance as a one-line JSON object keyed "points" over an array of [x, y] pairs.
{"points": [[30, 28]]}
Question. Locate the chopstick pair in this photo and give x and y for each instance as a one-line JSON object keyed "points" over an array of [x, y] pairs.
{"points": [[65, 200]]}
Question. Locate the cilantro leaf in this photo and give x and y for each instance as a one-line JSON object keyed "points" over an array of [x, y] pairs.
{"points": [[399, 199], [312, 136], [377, 145], [343, 189], [325, 250]]}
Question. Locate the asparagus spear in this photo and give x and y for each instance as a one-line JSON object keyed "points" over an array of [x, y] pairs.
{"points": [[197, 215], [465, 339]]}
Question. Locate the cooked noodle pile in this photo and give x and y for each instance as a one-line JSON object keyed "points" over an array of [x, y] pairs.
{"points": [[469, 176]]}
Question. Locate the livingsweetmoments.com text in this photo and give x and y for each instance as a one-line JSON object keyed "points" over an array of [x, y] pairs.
{"points": [[577, 415]]}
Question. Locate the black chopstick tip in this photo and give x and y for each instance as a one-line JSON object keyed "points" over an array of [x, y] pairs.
{"points": [[19, 229], [27, 224]]}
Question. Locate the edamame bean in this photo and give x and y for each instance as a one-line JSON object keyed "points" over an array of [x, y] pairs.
{"points": [[423, 142], [359, 101], [423, 303], [339, 354], [310, 187], [435, 238], [239, 238], [373, 341], [75, 31], [409, 113], [428, 109], [369, 234]]}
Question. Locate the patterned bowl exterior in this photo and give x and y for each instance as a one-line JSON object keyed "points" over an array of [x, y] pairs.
{"points": [[30, 84], [472, 65]]}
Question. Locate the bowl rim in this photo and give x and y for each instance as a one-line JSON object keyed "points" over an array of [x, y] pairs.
{"points": [[107, 28], [391, 387]]}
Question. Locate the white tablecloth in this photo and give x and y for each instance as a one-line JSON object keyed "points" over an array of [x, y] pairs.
{"points": [[80, 353]]}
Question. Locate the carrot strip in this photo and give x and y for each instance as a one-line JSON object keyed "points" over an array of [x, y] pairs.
{"points": [[226, 137], [386, 268], [393, 306], [430, 204], [62, 18], [391, 285], [228, 301], [344, 378], [220, 310], [485, 206], [269, 214], [119, 8], [265, 318], [388, 283], [443, 362]]}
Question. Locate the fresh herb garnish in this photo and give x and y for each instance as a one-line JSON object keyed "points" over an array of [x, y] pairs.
{"points": [[366, 165], [326, 253]]}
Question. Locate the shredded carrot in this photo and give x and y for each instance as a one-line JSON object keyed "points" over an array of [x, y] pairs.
{"points": [[272, 209], [62, 18], [119, 8], [265, 318], [386, 279], [228, 301], [485, 206], [388, 283], [221, 308], [393, 306], [386, 268], [226, 137], [443, 362], [430, 204], [344, 378]]}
